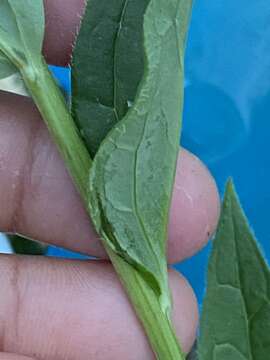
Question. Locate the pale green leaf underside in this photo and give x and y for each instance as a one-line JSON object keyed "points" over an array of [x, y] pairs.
{"points": [[133, 172], [6, 67], [21, 30], [14, 84], [236, 313]]}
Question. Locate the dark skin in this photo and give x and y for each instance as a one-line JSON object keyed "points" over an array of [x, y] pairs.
{"points": [[53, 309]]}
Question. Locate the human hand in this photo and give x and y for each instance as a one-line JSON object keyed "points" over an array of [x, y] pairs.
{"points": [[55, 309]]}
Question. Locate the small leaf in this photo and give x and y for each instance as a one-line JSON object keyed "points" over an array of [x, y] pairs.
{"points": [[236, 313], [6, 67], [107, 66], [132, 175], [193, 355], [21, 31], [24, 246], [14, 84]]}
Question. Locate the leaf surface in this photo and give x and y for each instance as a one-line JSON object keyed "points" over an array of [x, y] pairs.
{"points": [[6, 67], [193, 355], [236, 313], [132, 175], [21, 31], [107, 66]]}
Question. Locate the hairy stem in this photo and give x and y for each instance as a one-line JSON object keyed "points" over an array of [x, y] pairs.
{"points": [[157, 325], [53, 108]]}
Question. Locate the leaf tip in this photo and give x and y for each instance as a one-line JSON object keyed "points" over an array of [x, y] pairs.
{"points": [[230, 191]]}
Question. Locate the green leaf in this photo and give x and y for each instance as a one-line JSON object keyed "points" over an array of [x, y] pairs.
{"points": [[24, 246], [6, 67], [107, 66], [132, 175], [14, 84], [236, 313], [193, 355], [21, 30]]}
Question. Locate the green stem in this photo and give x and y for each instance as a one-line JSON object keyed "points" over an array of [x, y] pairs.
{"points": [[54, 111], [156, 324]]}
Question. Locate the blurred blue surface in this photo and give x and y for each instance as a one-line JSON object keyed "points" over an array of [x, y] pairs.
{"points": [[227, 109], [63, 253], [62, 76], [5, 247]]}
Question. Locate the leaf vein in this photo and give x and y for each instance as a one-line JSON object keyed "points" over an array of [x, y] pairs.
{"points": [[240, 287], [122, 14]]}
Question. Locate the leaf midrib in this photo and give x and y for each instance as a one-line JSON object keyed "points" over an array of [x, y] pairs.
{"points": [[240, 283], [121, 18]]}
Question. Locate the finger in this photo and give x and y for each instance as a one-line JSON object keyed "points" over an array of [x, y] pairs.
{"points": [[195, 208], [62, 22], [38, 200], [6, 356], [53, 309]]}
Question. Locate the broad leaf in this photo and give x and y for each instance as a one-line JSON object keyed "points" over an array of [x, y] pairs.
{"points": [[133, 172], [107, 66], [6, 67], [236, 313], [21, 31]]}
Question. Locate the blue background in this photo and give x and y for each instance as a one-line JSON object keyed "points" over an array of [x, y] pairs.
{"points": [[227, 109]]}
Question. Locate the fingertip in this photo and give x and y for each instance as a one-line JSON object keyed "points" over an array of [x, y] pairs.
{"points": [[185, 310], [195, 208], [62, 22], [85, 308]]}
